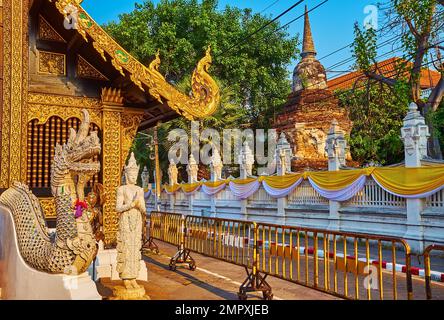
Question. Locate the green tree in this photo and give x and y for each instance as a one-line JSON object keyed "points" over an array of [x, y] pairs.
{"points": [[253, 71], [377, 116], [417, 27]]}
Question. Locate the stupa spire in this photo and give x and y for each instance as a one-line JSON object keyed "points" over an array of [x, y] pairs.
{"points": [[308, 47]]}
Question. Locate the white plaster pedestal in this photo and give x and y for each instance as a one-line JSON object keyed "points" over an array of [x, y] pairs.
{"points": [[20, 281], [106, 262]]}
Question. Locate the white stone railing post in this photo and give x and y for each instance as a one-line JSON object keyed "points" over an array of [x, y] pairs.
{"points": [[336, 148], [216, 175], [283, 155], [246, 170], [414, 134], [192, 169], [145, 177], [172, 175]]}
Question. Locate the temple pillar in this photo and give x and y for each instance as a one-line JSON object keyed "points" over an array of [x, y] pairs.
{"points": [[118, 129], [14, 92], [414, 134], [111, 169]]}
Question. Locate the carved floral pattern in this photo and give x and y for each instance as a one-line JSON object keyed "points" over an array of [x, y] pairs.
{"points": [[51, 63], [15, 78], [86, 70], [44, 106], [129, 124], [48, 206], [47, 32], [111, 173]]}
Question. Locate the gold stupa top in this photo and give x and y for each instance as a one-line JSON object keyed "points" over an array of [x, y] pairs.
{"points": [[308, 44]]}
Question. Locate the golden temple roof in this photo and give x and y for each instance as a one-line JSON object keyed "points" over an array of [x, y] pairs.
{"points": [[205, 96]]}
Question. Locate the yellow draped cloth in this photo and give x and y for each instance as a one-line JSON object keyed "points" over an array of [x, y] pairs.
{"points": [[172, 189], [410, 181], [215, 184], [244, 181], [282, 182], [335, 180], [190, 187]]}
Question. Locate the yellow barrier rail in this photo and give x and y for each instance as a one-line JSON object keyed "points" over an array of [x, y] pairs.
{"points": [[337, 263], [427, 270], [227, 240], [347, 265], [170, 228], [167, 227]]}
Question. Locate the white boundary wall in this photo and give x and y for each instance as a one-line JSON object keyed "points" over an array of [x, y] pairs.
{"points": [[372, 210]]}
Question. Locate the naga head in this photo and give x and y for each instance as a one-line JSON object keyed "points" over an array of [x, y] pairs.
{"points": [[74, 164]]}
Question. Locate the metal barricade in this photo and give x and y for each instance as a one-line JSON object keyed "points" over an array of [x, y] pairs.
{"points": [[153, 231], [231, 241], [427, 271], [169, 228], [348, 265], [227, 240]]}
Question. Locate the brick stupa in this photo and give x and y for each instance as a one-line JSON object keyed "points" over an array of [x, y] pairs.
{"points": [[310, 109]]}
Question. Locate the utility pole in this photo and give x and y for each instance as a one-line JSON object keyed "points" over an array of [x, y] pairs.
{"points": [[157, 167]]}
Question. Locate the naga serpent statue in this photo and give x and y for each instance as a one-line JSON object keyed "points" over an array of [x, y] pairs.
{"points": [[73, 247]]}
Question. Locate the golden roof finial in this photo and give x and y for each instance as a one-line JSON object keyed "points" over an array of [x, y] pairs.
{"points": [[308, 47]]}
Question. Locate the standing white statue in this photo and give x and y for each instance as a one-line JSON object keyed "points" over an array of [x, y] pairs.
{"points": [[131, 206], [145, 177], [246, 161], [216, 165], [192, 169], [172, 172]]}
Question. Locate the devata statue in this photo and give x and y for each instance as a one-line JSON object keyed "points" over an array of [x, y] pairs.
{"points": [[73, 247], [95, 201], [131, 206]]}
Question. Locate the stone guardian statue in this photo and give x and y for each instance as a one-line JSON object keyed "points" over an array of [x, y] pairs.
{"points": [[131, 207]]}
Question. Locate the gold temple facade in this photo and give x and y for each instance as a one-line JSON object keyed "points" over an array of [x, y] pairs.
{"points": [[49, 73]]}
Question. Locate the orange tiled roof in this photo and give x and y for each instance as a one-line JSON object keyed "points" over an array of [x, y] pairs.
{"points": [[429, 78]]}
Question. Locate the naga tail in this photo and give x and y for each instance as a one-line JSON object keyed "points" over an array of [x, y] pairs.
{"points": [[35, 244], [30, 226]]}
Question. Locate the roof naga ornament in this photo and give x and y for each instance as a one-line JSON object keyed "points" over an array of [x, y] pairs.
{"points": [[205, 95]]}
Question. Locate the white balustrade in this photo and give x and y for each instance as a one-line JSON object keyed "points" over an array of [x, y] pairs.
{"points": [[373, 196], [436, 200], [201, 196], [308, 202], [163, 196], [306, 195], [182, 198], [261, 197], [226, 194]]}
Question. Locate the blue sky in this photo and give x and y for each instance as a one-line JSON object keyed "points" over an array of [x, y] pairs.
{"points": [[332, 23]]}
